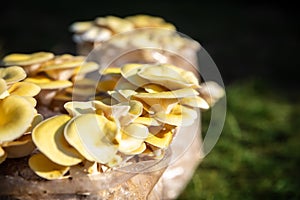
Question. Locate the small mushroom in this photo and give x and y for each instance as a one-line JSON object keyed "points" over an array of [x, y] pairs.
{"points": [[12, 74], [3, 155], [129, 72], [24, 89], [15, 117], [27, 59], [3, 89], [144, 21], [132, 137], [76, 108], [116, 24], [92, 135], [175, 94], [20, 147], [49, 87], [196, 102], [179, 116], [48, 136], [148, 121], [80, 27], [161, 139], [45, 168], [168, 76]]}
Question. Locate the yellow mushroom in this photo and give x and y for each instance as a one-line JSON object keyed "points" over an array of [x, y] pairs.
{"points": [[48, 136], [27, 59], [45, 168], [179, 116], [148, 121], [168, 76], [135, 110], [80, 27], [76, 108], [3, 89], [49, 87], [15, 117], [48, 84], [129, 72], [20, 147], [132, 137], [116, 24], [161, 139], [24, 89], [12, 74], [196, 102], [175, 94], [92, 135], [3, 155], [143, 21]]}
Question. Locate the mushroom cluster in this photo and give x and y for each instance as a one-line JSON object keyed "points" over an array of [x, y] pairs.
{"points": [[102, 28], [147, 31], [18, 115], [147, 105], [51, 73]]}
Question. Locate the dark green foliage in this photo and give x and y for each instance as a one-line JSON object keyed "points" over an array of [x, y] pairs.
{"points": [[257, 155]]}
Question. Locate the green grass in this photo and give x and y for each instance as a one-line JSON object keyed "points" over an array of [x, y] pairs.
{"points": [[257, 155]]}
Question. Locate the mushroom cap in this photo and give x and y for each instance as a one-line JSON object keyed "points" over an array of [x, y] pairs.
{"points": [[161, 139], [27, 59], [179, 116], [129, 71], [3, 87], [24, 89], [3, 155], [93, 135], [148, 121], [48, 136], [169, 76], [116, 24], [21, 147], [47, 84], [12, 74], [143, 21], [80, 27], [45, 168], [196, 102], [75, 108], [132, 137], [15, 117], [175, 94]]}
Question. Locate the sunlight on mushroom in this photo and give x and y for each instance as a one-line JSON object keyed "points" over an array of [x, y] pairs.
{"points": [[45, 168]]}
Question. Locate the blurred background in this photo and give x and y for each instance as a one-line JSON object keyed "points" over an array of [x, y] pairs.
{"points": [[255, 46]]}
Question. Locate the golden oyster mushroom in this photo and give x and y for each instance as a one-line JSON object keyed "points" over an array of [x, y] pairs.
{"points": [[129, 72], [144, 21], [168, 76], [45, 168], [116, 24], [80, 27], [27, 59], [3, 155], [93, 136], [161, 139], [76, 108], [20, 147], [49, 138], [131, 139], [3, 89], [16, 116], [12, 74], [179, 116], [49, 87], [25, 89]]}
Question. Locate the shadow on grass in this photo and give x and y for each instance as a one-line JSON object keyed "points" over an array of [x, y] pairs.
{"points": [[257, 155]]}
